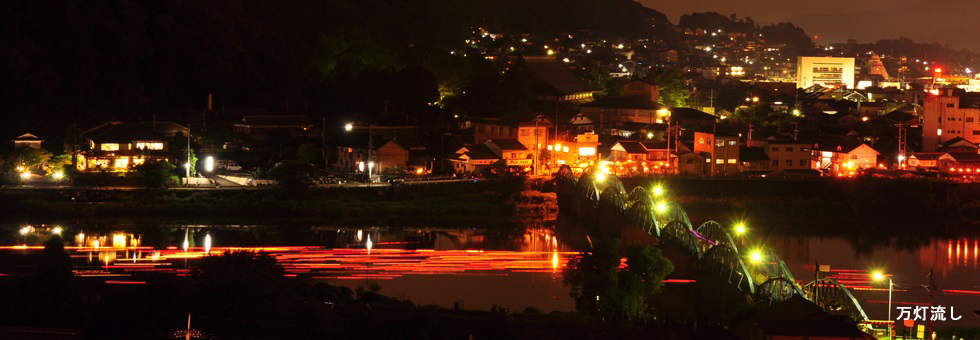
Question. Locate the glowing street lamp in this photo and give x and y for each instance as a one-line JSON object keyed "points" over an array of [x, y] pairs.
{"points": [[349, 127], [56, 230], [661, 207], [25, 230], [756, 257], [599, 177], [58, 175], [740, 229], [209, 164], [658, 191], [25, 175], [878, 276], [207, 244]]}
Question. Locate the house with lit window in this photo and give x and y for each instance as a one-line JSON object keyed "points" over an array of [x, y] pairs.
{"points": [[633, 157], [512, 153], [845, 158], [754, 160], [473, 158], [785, 155], [932, 161], [28, 140], [552, 83], [381, 150], [117, 146], [638, 104], [720, 151]]}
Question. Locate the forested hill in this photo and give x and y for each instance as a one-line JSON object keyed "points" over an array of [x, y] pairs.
{"points": [[72, 60]]}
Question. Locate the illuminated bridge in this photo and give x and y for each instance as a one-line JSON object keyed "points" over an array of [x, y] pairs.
{"points": [[758, 272]]}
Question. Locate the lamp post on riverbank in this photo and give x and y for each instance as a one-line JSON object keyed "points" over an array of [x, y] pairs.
{"points": [[878, 276]]}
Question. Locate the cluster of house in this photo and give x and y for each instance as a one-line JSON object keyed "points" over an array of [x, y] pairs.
{"points": [[834, 131]]}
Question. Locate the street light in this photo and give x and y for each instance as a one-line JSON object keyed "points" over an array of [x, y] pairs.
{"points": [[25, 175], [56, 230], [58, 175], [878, 276], [740, 229], [349, 127], [207, 243], [756, 256], [658, 190], [661, 207], [209, 164]]}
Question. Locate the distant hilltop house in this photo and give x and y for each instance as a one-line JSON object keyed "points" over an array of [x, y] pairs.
{"points": [[638, 104], [118, 146], [554, 84], [28, 140], [264, 127]]}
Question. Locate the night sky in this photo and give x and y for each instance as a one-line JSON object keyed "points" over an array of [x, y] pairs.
{"points": [[943, 21]]}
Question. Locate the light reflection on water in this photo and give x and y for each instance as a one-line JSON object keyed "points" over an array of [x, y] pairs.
{"points": [[953, 261], [513, 269], [438, 266]]}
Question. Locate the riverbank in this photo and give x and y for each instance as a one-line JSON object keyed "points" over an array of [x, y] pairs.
{"points": [[831, 205], [466, 200]]}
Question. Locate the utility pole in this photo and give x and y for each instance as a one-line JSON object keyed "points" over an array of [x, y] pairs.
{"points": [[188, 165], [711, 100], [537, 145], [553, 160], [323, 139], [901, 145], [796, 131]]}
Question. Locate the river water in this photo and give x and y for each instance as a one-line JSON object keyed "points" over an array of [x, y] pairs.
{"points": [[513, 267]]}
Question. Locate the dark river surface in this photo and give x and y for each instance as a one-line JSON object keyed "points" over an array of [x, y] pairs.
{"points": [[513, 267]]}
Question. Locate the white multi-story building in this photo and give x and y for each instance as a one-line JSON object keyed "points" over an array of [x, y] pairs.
{"points": [[949, 115], [825, 71]]}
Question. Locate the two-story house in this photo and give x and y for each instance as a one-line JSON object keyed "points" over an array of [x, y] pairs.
{"points": [[117, 146], [843, 158], [785, 155], [512, 153], [720, 150], [473, 158]]}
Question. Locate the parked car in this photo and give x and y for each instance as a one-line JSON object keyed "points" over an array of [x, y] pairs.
{"points": [[228, 165]]}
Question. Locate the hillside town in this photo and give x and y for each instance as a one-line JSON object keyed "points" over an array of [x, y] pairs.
{"points": [[730, 105]]}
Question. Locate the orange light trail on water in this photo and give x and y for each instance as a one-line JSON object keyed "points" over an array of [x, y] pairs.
{"points": [[340, 263]]}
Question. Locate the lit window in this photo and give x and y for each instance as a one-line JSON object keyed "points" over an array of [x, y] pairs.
{"points": [[719, 161], [731, 142], [590, 151], [110, 147], [121, 163], [149, 146], [731, 161]]}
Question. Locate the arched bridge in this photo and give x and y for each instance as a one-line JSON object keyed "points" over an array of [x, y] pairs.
{"points": [[758, 272]]}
